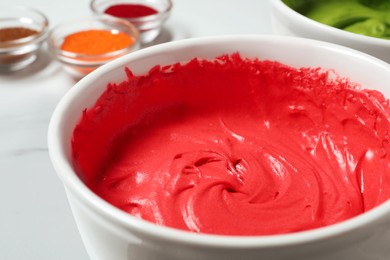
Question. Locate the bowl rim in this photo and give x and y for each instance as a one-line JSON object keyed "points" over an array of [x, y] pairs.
{"points": [[87, 60], [295, 16], [155, 232], [138, 20], [40, 36]]}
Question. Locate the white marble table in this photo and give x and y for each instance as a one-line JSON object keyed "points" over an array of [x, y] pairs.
{"points": [[35, 220]]}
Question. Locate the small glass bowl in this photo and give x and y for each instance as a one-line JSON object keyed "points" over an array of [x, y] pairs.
{"points": [[149, 26], [78, 64], [18, 53]]}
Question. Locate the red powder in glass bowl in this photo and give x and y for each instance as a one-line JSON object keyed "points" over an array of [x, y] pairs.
{"points": [[236, 146], [130, 10]]}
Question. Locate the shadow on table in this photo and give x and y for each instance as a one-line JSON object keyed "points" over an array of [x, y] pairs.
{"points": [[164, 36], [42, 61]]}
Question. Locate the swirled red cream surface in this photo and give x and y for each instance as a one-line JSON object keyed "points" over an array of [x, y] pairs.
{"points": [[236, 146]]}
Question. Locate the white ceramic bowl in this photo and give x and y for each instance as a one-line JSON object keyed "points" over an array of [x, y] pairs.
{"points": [[286, 21], [109, 233]]}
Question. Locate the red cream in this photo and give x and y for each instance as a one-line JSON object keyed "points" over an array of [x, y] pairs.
{"points": [[237, 146]]}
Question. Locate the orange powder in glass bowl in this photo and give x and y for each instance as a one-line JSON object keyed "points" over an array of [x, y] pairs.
{"points": [[94, 42], [84, 45]]}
